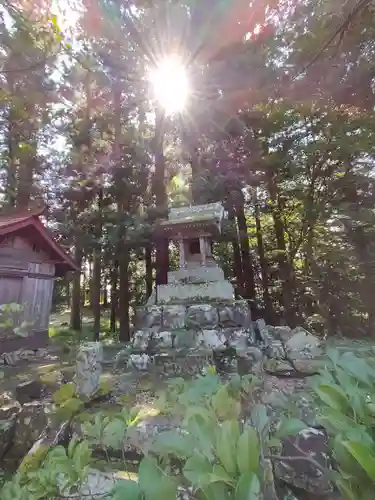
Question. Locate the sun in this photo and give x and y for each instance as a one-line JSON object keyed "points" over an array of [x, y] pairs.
{"points": [[170, 85]]}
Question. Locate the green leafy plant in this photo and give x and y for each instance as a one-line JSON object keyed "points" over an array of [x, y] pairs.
{"points": [[345, 397]]}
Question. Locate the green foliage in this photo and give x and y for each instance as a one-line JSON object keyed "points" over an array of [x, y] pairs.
{"points": [[345, 395]]}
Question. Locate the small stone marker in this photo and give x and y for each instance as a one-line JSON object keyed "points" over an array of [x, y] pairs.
{"points": [[89, 369]]}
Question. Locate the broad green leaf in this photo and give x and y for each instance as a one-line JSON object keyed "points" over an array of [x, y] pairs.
{"points": [[290, 427], [126, 490], [259, 418], [114, 434], [64, 393], [345, 489], [174, 442], [197, 470], [363, 455], [219, 475], [203, 433], [226, 444], [214, 491], [81, 455], [154, 482], [248, 487], [225, 407], [69, 408], [248, 455], [335, 421], [333, 396]]}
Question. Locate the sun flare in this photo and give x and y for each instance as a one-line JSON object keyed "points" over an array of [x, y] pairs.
{"points": [[170, 85]]}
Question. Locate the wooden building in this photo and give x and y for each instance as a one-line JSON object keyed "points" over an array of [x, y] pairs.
{"points": [[30, 259]]}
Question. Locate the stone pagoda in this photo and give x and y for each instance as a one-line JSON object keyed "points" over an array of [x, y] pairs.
{"points": [[199, 278], [196, 309]]}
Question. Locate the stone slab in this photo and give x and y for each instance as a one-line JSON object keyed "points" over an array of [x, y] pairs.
{"points": [[197, 274], [178, 293]]}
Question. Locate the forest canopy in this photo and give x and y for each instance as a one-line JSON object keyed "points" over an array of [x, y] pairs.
{"points": [[277, 122]]}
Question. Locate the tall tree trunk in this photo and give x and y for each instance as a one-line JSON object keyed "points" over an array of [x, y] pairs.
{"points": [[124, 296], [286, 269], [105, 295], [159, 188], [11, 182], [237, 263], [269, 312], [148, 263], [97, 271], [75, 308], [114, 296], [247, 261]]}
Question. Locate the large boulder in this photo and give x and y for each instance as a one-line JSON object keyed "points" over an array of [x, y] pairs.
{"points": [[9, 409], [31, 421], [149, 317], [211, 339], [201, 316], [303, 345], [304, 474], [249, 360], [173, 317], [235, 314]]}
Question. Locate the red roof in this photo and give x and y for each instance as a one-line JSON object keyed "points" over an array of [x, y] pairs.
{"points": [[27, 224]]}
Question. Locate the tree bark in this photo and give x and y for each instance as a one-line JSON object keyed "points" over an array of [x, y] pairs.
{"points": [[237, 263], [286, 269], [247, 262], [148, 263], [114, 297], [124, 296], [75, 309], [160, 193], [269, 312]]}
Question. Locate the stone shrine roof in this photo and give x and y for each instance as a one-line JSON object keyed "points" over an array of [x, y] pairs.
{"points": [[194, 219]]}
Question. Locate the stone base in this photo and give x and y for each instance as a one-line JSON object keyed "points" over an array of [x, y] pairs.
{"points": [[224, 314], [198, 274], [177, 293]]}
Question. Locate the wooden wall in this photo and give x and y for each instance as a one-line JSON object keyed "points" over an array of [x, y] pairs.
{"points": [[26, 278]]}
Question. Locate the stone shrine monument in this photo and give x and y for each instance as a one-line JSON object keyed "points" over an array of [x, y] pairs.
{"points": [[199, 277], [195, 313]]}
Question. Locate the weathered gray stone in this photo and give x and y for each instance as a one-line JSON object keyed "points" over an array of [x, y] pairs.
{"points": [[237, 337], [278, 366], [211, 339], [88, 369], [303, 345], [8, 406], [283, 333], [7, 428], [173, 316], [275, 350], [185, 363], [302, 473], [141, 339], [164, 339], [185, 339], [234, 314], [249, 360], [263, 331], [149, 317], [309, 366], [200, 316], [31, 422], [140, 362]]}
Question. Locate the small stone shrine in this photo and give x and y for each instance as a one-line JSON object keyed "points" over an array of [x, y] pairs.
{"points": [[196, 309]]}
